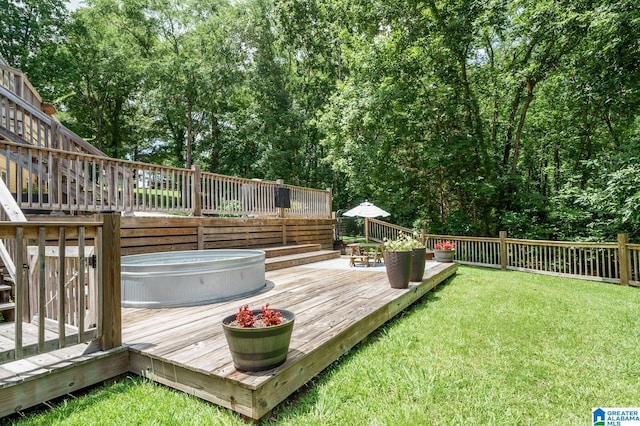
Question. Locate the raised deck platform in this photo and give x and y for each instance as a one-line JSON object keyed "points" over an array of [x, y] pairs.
{"points": [[336, 307]]}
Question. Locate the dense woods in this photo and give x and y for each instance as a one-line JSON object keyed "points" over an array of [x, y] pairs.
{"points": [[461, 116]]}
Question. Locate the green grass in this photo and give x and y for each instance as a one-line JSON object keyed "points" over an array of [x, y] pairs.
{"points": [[486, 348]]}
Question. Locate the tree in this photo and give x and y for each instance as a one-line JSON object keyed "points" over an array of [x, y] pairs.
{"points": [[30, 35]]}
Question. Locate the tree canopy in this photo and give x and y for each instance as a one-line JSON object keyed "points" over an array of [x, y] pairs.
{"points": [[461, 116]]}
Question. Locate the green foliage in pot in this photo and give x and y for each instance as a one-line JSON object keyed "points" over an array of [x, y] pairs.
{"points": [[404, 242]]}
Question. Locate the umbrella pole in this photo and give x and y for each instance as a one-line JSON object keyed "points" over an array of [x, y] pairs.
{"points": [[366, 229]]}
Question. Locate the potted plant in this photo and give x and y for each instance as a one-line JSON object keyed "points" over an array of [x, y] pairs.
{"points": [[418, 257], [397, 260], [258, 339], [444, 251]]}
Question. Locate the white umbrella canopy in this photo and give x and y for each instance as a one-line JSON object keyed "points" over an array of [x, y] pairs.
{"points": [[366, 209]]}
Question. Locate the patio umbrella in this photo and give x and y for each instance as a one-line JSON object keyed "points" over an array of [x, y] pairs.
{"points": [[366, 210]]}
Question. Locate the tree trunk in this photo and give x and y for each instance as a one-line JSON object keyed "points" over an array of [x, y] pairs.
{"points": [[188, 160], [531, 84], [512, 118]]}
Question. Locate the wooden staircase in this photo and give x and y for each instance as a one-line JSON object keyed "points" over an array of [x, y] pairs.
{"points": [[288, 256], [7, 306]]}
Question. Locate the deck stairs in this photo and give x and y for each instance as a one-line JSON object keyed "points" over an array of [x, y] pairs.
{"points": [[7, 306], [26, 120], [294, 255]]}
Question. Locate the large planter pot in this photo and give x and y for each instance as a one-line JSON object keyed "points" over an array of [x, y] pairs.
{"points": [[444, 255], [257, 349], [418, 257], [398, 264]]}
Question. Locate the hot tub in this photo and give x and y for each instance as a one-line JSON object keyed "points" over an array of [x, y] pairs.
{"points": [[190, 278]]}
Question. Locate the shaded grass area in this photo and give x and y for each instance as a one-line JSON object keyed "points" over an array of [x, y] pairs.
{"points": [[488, 347]]}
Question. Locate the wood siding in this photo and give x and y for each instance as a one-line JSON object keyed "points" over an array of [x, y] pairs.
{"points": [[158, 234]]}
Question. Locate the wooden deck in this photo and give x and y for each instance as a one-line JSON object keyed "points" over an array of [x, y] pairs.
{"points": [[336, 307], [185, 348]]}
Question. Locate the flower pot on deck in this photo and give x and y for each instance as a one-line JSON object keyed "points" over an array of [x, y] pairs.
{"points": [[398, 264], [445, 256], [418, 257], [259, 348]]}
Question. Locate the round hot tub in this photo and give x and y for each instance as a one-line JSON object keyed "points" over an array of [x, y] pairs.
{"points": [[190, 278]]}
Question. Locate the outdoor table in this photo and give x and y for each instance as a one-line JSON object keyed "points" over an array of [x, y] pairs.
{"points": [[362, 252]]}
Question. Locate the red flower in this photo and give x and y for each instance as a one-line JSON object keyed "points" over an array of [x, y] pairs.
{"points": [[267, 317], [245, 317], [270, 317], [444, 245]]}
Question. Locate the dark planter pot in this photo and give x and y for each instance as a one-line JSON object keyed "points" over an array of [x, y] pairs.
{"points": [[444, 255], [257, 349], [398, 264], [33, 199], [418, 257]]}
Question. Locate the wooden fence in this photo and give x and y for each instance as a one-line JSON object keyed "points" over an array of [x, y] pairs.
{"points": [[614, 262], [67, 283]]}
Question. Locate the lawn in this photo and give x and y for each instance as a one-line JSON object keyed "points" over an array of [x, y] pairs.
{"points": [[487, 348]]}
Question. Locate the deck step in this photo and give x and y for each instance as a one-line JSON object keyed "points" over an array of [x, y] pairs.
{"points": [[7, 307], [272, 252], [4, 287], [288, 261]]}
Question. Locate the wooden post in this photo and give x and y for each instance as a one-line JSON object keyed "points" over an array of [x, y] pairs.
{"points": [[503, 250], [127, 192], [18, 87], [329, 207], [21, 314], [366, 229], [625, 261], [110, 303], [200, 237], [284, 233], [196, 192], [423, 236]]}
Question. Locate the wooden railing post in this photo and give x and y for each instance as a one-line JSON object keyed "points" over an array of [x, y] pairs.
{"points": [[623, 255], [329, 207], [503, 250], [110, 303], [17, 85], [196, 194]]}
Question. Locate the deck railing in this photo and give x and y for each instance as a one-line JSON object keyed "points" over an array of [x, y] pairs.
{"points": [[378, 230], [55, 180], [614, 262], [18, 84], [67, 283], [23, 121], [57, 170]]}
